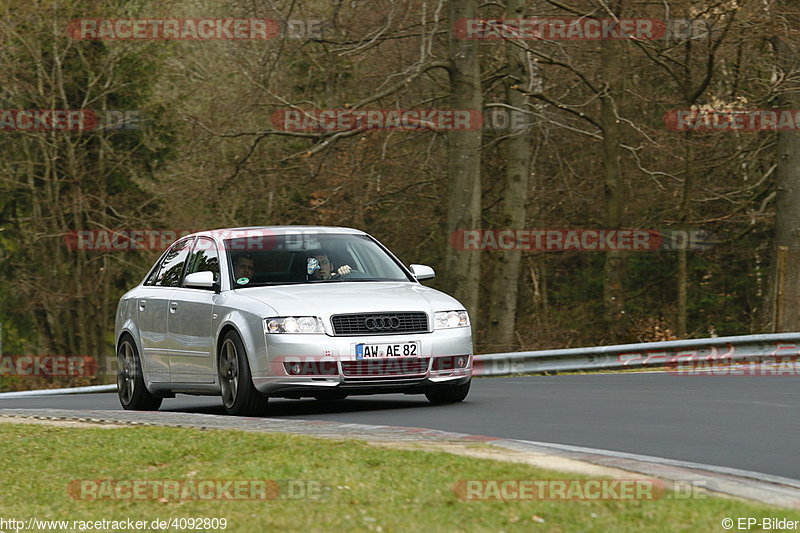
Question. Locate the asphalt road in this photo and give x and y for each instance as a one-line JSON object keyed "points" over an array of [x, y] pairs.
{"points": [[750, 423]]}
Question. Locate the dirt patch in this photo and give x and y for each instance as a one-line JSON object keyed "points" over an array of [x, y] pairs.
{"points": [[539, 460]]}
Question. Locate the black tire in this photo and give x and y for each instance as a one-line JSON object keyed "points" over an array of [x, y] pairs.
{"points": [[132, 393], [239, 396], [449, 393], [330, 396]]}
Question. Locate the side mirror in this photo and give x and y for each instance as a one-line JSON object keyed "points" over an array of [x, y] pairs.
{"points": [[422, 272], [200, 280]]}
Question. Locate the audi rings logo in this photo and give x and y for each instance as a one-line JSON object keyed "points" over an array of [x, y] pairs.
{"points": [[382, 323]]}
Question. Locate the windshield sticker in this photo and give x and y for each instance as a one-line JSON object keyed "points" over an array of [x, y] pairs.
{"points": [[243, 281]]}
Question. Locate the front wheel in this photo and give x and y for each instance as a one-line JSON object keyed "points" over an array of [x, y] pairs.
{"points": [[448, 393], [239, 396], [133, 395]]}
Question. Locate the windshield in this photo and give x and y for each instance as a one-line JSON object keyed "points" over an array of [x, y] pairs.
{"points": [[309, 258]]}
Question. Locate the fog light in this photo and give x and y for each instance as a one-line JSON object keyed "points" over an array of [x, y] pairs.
{"points": [[294, 368], [455, 362]]}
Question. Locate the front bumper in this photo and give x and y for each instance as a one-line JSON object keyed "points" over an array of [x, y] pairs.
{"points": [[350, 375]]}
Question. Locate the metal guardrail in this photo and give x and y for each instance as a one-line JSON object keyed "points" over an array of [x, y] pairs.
{"points": [[56, 392], [681, 356]]}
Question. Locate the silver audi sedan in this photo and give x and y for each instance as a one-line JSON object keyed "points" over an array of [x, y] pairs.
{"points": [[292, 312]]}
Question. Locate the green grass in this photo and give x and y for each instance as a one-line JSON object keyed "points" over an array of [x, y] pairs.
{"points": [[371, 488]]}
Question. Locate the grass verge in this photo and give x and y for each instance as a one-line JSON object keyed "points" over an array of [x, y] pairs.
{"points": [[360, 487]]}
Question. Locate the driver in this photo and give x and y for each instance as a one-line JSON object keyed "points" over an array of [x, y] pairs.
{"points": [[322, 267], [243, 267]]}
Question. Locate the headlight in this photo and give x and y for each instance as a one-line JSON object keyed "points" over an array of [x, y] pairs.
{"points": [[294, 324], [450, 319]]}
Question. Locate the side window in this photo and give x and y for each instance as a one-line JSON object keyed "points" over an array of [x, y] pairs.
{"points": [[204, 257], [151, 278], [171, 271]]}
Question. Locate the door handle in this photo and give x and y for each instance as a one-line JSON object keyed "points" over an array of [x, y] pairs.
{"points": [[142, 304], [173, 306]]}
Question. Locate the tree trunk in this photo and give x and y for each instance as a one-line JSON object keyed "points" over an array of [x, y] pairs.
{"points": [[613, 275], [683, 254], [503, 308], [786, 288], [464, 160]]}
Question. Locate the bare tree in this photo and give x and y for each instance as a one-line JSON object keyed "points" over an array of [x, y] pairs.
{"points": [[786, 269], [55, 182], [464, 158], [610, 94], [517, 156]]}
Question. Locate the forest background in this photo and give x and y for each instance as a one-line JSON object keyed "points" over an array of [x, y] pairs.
{"points": [[595, 151]]}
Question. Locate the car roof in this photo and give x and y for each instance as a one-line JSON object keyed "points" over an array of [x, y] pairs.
{"points": [[225, 233]]}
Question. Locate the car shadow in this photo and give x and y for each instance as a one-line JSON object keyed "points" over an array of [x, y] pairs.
{"points": [[350, 405], [283, 407]]}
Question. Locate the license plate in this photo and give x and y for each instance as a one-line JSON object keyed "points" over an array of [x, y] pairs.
{"points": [[401, 349]]}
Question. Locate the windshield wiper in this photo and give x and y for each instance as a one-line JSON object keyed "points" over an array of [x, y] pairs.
{"points": [[332, 280], [269, 284], [372, 279], [340, 279]]}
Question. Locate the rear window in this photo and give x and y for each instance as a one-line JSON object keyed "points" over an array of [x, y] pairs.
{"points": [[171, 271]]}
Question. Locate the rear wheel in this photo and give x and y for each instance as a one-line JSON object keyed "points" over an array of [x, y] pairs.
{"points": [[239, 396], [449, 393], [133, 395]]}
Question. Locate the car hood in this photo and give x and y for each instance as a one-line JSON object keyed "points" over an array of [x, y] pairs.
{"points": [[326, 299]]}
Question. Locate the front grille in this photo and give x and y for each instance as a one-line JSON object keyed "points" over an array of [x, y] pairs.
{"points": [[398, 366], [380, 323]]}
